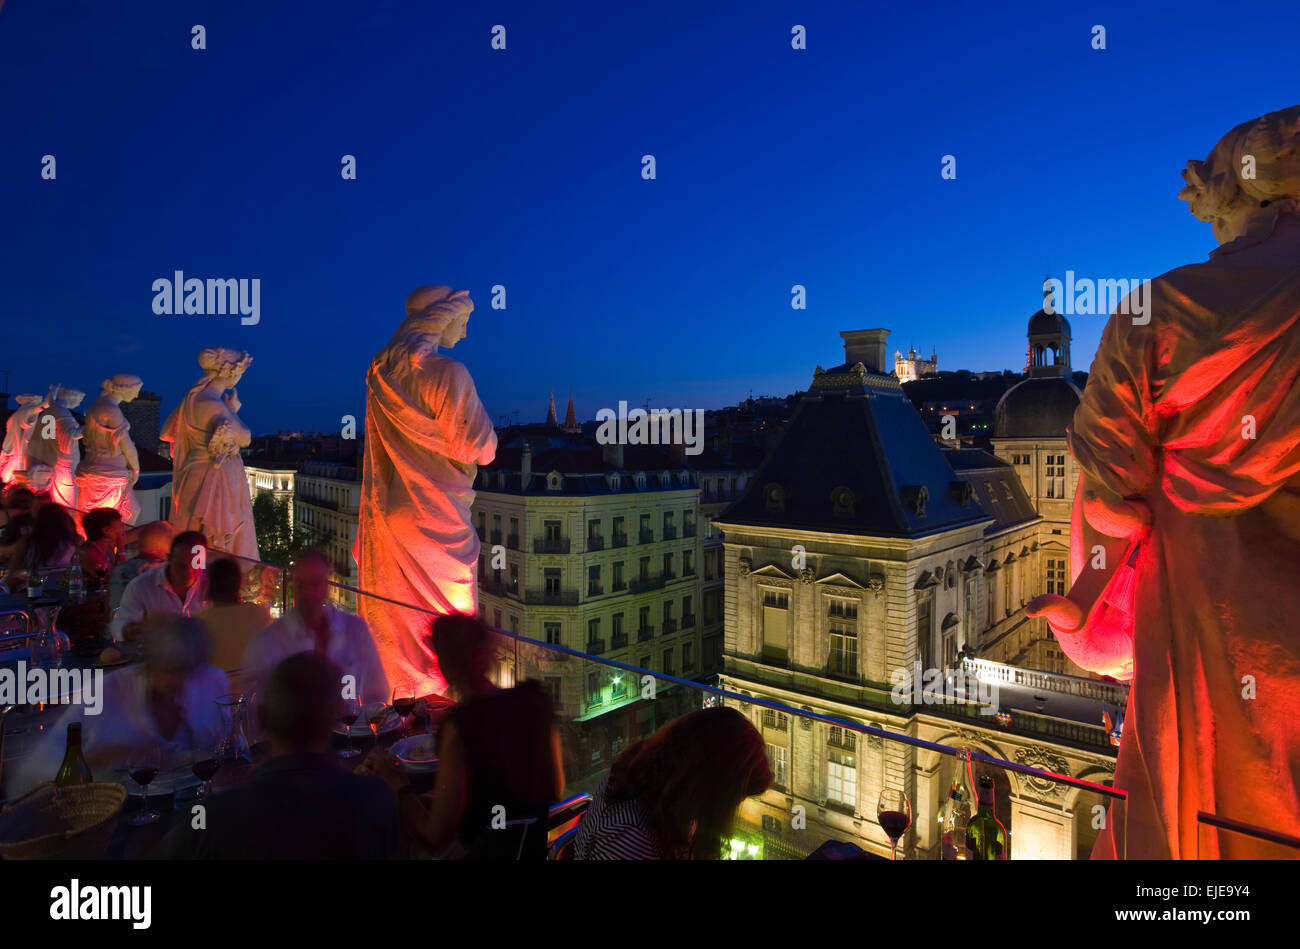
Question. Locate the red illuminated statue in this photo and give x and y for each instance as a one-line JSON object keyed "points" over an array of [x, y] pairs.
{"points": [[426, 434], [1186, 538]]}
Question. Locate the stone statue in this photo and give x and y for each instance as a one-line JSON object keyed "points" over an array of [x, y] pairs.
{"points": [[110, 465], [18, 432], [53, 451], [426, 434], [1186, 528], [209, 487]]}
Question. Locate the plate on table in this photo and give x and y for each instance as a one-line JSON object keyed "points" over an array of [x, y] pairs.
{"points": [[417, 754], [361, 729]]}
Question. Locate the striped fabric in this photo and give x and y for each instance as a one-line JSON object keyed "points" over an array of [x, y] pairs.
{"points": [[615, 832]]}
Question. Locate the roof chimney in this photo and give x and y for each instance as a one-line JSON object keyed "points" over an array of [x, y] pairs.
{"points": [[866, 347]]}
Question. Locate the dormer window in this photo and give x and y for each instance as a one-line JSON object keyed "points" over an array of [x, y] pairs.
{"points": [[554, 481], [640, 481], [844, 502], [613, 482], [774, 498]]}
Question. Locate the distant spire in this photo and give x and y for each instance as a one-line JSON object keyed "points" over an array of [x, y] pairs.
{"points": [[551, 420], [571, 418]]}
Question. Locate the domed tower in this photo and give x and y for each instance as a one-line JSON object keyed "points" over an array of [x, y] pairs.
{"points": [[1029, 427]]}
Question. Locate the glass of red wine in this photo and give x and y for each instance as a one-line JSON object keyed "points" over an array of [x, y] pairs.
{"points": [[350, 713], [205, 765], [894, 811], [404, 703], [143, 768]]}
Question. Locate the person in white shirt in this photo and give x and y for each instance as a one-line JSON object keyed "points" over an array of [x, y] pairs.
{"points": [[169, 702], [313, 625], [177, 588]]}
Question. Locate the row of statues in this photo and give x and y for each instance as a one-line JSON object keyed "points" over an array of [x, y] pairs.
{"points": [[95, 464], [80, 466]]}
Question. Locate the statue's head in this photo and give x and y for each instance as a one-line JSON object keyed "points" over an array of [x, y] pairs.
{"points": [[435, 316], [70, 398], [1248, 177], [226, 366], [27, 400], [124, 387]]}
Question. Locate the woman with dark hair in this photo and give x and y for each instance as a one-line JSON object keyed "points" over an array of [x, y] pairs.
{"points": [[497, 748], [674, 795], [54, 539], [105, 538]]}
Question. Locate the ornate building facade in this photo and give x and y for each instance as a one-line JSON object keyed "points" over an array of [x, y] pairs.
{"points": [[857, 552]]}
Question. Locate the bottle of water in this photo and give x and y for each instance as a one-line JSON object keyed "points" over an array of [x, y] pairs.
{"points": [[76, 582]]}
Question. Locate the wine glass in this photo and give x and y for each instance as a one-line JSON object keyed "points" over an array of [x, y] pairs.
{"points": [[351, 711], [404, 703], [143, 768], [894, 811], [376, 715], [205, 764]]}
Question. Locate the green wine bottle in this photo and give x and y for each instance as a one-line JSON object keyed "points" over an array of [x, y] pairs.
{"points": [[74, 769], [986, 838]]}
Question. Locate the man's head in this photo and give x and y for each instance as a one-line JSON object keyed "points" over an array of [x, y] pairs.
{"points": [[154, 541], [301, 702], [225, 579], [187, 557], [174, 648], [311, 579]]}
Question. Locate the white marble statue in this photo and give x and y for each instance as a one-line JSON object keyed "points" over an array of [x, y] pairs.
{"points": [[54, 451], [110, 464], [209, 487], [426, 435], [18, 432]]}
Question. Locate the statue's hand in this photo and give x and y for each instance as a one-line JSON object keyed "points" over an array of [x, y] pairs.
{"points": [[232, 401], [135, 476], [1062, 614], [1130, 520]]}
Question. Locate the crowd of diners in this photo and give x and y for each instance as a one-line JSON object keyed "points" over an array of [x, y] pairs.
{"points": [[673, 795]]}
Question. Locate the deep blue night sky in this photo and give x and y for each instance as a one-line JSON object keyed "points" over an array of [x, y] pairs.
{"points": [[478, 167]]}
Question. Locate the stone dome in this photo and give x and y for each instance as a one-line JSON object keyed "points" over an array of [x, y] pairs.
{"points": [[1036, 408], [1043, 323]]}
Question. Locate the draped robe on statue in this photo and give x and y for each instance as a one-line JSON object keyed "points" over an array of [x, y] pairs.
{"points": [[426, 434], [103, 478], [61, 452], [1215, 597], [209, 484]]}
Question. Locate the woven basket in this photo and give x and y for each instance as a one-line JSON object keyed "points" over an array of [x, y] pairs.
{"points": [[53, 823]]}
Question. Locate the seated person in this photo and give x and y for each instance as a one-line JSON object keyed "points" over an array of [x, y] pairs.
{"points": [[102, 551], [301, 804], [168, 701], [495, 747], [674, 795], [20, 508], [152, 542], [53, 542], [233, 624], [312, 624], [178, 588]]}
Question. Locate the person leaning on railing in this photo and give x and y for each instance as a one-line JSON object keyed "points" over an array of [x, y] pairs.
{"points": [[497, 748]]}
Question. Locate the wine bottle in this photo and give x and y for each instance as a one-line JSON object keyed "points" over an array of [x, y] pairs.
{"points": [[76, 582], [74, 769], [957, 809], [986, 838]]}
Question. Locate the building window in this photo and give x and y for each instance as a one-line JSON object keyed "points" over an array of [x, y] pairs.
{"points": [[514, 578], [844, 651], [593, 533], [555, 687], [688, 563], [496, 619], [925, 632], [668, 662], [1056, 576], [668, 566], [552, 633], [593, 631], [1056, 476], [593, 688], [775, 720], [617, 625], [842, 768], [552, 531], [593, 580], [619, 582], [708, 527], [778, 759], [552, 579], [645, 663], [687, 664], [776, 626]]}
